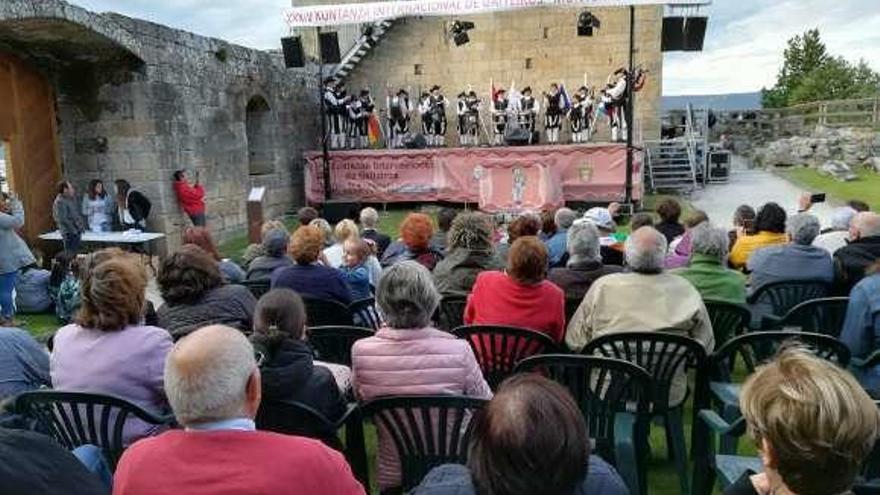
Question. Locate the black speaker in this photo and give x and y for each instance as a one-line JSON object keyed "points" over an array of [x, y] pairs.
{"points": [[293, 52], [329, 42], [337, 210], [673, 34], [415, 142], [694, 33]]}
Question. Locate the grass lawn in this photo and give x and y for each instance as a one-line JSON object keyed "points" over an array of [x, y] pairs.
{"points": [[866, 188]]}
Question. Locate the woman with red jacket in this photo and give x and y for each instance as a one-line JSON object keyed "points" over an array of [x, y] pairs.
{"points": [[191, 197]]}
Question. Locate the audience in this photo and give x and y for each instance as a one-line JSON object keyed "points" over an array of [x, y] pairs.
{"points": [[306, 215], [861, 328], [335, 254], [414, 244], [409, 356], [838, 235], [797, 260], [254, 251], [64, 285], [556, 243], [24, 365], [308, 277], [14, 254], [648, 299], [743, 223], [32, 289], [812, 423], [548, 225], [521, 297], [641, 219], [369, 222], [603, 221], [288, 372], [354, 268], [469, 252], [445, 217], [770, 231], [681, 247], [275, 245], [530, 438], [863, 249], [527, 224], [108, 350], [707, 269], [584, 264], [669, 211], [859, 206], [192, 286], [326, 231], [214, 387], [201, 237]]}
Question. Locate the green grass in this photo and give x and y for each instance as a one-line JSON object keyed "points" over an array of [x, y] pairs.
{"points": [[866, 188]]}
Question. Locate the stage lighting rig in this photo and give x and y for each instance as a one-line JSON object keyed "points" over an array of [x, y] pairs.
{"points": [[459, 30], [586, 23]]}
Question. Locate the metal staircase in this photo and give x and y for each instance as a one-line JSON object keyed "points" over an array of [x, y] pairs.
{"points": [[679, 165], [361, 48]]}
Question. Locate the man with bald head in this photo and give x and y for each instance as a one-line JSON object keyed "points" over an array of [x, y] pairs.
{"points": [[644, 300], [213, 385], [862, 251]]}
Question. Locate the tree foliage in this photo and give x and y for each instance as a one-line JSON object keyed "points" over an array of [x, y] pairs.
{"points": [[810, 73]]}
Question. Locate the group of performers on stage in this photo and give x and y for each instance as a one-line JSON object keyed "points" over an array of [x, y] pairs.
{"points": [[514, 115]]}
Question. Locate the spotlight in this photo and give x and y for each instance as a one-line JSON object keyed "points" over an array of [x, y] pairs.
{"points": [[459, 32], [586, 23]]}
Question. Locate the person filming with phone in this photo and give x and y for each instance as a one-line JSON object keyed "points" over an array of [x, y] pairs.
{"points": [[14, 254], [191, 197]]}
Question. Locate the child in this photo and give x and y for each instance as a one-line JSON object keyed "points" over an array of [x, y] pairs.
{"points": [[64, 286], [355, 270]]}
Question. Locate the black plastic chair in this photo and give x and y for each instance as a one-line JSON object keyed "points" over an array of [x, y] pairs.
{"points": [[776, 299], [450, 314], [824, 315], [324, 312], [296, 418], [664, 356], [332, 344], [499, 348], [364, 313], [257, 287], [74, 419], [427, 431], [728, 319], [614, 398]]}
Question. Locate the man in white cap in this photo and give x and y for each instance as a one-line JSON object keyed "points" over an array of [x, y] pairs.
{"points": [[603, 219]]}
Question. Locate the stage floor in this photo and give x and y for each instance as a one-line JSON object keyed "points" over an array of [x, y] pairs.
{"points": [[495, 178]]}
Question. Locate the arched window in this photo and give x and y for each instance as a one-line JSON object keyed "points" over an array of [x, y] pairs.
{"points": [[259, 128]]}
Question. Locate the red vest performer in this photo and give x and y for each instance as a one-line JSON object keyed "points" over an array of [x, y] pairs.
{"points": [[191, 197]]}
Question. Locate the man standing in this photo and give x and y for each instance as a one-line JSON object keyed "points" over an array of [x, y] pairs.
{"points": [[191, 197], [68, 219], [553, 113]]}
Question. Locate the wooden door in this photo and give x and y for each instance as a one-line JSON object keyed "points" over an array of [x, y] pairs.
{"points": [[27, 124]]}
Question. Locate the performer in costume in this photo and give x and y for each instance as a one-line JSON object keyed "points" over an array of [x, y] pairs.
{"points": [[470, 119], [500, 104], [437, 117], [424, 109], [553, 113], [334, 119], [615, 101], [398, 117], [580, 114], [528, 111], [359, 113]]}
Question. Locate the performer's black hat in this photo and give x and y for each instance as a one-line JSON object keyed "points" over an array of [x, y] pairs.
{"points": [[329, 80], [462, 94], [365, 92], [527, 89], [472, 93], [583, 88], [435, 88], [402, 92]]}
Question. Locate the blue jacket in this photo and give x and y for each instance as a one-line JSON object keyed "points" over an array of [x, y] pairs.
{"points": [[556, 246], [317, 281], [861, 329], [790, 262]]}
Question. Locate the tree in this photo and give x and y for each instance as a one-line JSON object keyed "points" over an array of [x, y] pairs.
{"points": [[803, 55]]}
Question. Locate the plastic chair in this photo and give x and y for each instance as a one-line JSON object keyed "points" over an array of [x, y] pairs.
{"points": [[450, 314], [614, 398], [324, 312], [825, 315], [257, 287], [427, 431], [75, 418], [779, 297], [499, 348], [728, 319], [664, 356], [332, 344], [364, 313], [296, 418]]}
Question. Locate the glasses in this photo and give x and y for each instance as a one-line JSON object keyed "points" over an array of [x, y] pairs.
{"points": [[260, 358]]}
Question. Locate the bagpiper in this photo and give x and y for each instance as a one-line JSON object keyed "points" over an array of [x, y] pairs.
{"points": [[615, 100], [528, 111], [580, 115], [500, 104], [399, 109], [470, 118], [553, 113], [436, 115]]}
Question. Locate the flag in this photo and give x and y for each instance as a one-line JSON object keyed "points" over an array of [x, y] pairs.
{"points": [[374, 132], [564, 99]]}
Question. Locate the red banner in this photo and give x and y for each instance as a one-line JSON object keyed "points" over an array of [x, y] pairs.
{"points": [[498, 179]]}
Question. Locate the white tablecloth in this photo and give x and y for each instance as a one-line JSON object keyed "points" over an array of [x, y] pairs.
{"points": [[127, 237]]}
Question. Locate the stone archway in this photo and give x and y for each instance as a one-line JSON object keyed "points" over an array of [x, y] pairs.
{"points": [[260, 137]]}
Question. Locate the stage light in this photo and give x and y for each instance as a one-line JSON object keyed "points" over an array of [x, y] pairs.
{"points": [[586, 23], [459, 31]]}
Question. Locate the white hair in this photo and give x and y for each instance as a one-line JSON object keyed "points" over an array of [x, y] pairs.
{"points": [[842, 217], [564, 217], [709, 241], [369, 217], [213, 388], [867, 224], [582, 242], [646, 250], [803, 228], [406, 295]]}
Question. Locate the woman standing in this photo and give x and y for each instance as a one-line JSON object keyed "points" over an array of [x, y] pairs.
{"points": [[97, 207], [133, 207], [14, 254]]}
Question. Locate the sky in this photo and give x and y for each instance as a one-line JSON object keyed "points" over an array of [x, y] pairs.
{"points": [[742, 52]]}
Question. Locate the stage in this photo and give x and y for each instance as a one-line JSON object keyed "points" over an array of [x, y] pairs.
{"points": [[497, 179]]}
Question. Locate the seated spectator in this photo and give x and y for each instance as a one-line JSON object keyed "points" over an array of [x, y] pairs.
{"points": [[681, 247], [556, 244], [548, 225], [770, 228], [663, 302], [609, 247], [641, 219], [743, 224], [812, 423], [861, 328], [530, 438], [797, 260], [64, 286], [32, 290], [862, 251], [469, 252], [859, 206], [275, 245], [214, 388], [24, 365], [838, 235], [522, 297], [414, 244], [326, 231], [445, 217], [335, 254], [201, 237], [192, 287], [306, 215], [584, 261], [108, 350], [288, 372], [707, 269], [254, 251], [33, 463], [669, 211], [409, 356], [527, 224], [369, 221], [354, 268], [308, 277]]}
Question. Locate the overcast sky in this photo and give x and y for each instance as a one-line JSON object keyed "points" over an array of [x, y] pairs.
{"points": [[743, 49]]}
